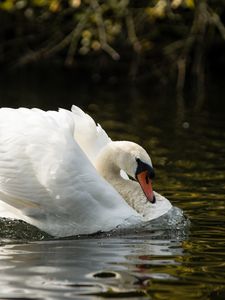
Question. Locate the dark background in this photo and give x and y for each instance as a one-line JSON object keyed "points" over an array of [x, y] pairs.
{"points": [[67, 47]]}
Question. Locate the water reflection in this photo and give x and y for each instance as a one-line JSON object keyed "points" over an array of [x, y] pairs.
{"points": [[62, 269]]}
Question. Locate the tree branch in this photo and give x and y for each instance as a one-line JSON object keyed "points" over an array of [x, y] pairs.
{"points": [[74, 38], [102, 32], [132, 32]]}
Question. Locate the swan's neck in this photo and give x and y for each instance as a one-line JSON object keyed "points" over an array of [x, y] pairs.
{"points": [[109, 168]]}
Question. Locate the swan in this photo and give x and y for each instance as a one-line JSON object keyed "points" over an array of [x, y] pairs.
{"points": [[62, 173]]}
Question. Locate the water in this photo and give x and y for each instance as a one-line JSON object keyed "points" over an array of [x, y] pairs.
{"points": [[187, 148]]}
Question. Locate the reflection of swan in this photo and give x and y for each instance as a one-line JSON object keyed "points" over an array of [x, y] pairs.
{"points": [[48, 176], [51, 270]]}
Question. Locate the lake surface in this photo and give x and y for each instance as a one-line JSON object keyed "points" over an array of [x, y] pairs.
{"points": [[187, 146]]}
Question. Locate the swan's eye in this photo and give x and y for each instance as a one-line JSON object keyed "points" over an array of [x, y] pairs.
{"points": [[141, 167]]}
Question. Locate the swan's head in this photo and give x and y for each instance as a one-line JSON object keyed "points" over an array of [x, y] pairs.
{"points": [[135, 161]]}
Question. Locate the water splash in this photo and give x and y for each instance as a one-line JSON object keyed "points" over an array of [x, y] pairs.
{"points": [[173, 224], [17, 230]]}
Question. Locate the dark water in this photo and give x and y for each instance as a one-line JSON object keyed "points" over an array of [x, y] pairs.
{"points": [[187, 147]]}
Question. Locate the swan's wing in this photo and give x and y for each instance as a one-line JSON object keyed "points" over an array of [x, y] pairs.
{"points": [[90, 136], [48, 181], [17, 180]]}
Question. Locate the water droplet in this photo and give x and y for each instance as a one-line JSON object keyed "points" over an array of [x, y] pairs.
{"points": [[185, 125]]}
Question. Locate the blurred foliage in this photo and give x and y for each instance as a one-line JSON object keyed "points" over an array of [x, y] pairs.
{"points": [[162, 38]]}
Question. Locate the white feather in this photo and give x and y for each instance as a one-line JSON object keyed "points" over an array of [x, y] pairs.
{"points": [[45, 176], [91, 137]]}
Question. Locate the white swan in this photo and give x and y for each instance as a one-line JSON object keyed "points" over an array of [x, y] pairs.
{"points": [[62, 173]]}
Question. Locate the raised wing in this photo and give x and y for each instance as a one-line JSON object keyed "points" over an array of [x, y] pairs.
{"points": [[90, 136], [48, 181]]}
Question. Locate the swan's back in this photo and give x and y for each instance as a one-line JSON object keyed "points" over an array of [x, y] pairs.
{"points": [[47, 180]]}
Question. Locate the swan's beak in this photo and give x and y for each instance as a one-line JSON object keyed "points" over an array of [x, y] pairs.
{"points": [[146, 185]]}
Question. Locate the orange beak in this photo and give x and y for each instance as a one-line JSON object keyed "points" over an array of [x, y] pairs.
{"points": [[146, 185]]}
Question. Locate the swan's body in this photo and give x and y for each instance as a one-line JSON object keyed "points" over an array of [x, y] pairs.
{"points": [[52, 166]]}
